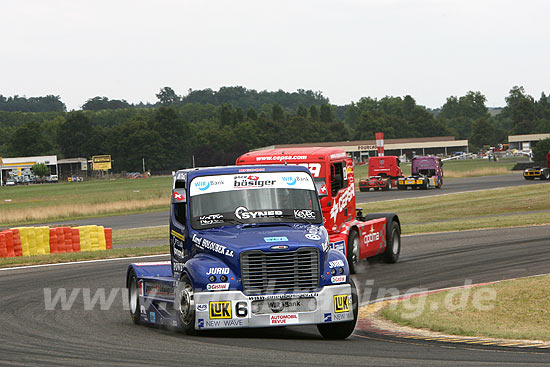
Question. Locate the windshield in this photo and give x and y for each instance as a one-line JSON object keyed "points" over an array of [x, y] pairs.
{"points": [[280, 197]]}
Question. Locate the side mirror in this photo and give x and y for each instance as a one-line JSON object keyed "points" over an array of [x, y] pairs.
{"points": [[178, 196], [321, 189]]}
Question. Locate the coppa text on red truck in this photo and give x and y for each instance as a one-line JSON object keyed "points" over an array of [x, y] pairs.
{"points": [[356, 235]]}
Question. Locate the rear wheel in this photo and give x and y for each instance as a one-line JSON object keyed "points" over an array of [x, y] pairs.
{"points": [[393, 247], [133, 297], [353, 251], [341, 330], [185, 305]]}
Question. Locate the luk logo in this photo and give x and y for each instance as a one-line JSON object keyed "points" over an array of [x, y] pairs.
{"points": [[290, 181], [220, 310], [341, 303]]}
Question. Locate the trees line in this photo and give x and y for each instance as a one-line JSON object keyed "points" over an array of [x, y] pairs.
{"points": [[169, 133]]}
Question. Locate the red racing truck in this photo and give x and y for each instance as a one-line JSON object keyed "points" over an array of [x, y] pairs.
{"points": [[358, 236], [384, 172]]}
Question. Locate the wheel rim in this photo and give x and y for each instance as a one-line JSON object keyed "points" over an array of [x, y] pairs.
{"points": [[355, 247], [396, 244], [186, 305], [133, 296]]}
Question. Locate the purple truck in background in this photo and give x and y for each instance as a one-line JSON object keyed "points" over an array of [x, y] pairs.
{"points": [[426, 172]]}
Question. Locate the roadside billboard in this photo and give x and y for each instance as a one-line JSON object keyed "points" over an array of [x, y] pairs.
{"points": [[101, 162]]}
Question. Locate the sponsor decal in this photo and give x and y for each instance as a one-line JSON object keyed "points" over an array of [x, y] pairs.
{"points": [[338, 279], [241, 309], [279, 305], [142, 309], [279, 247], [220, 309], [313, 237], [276, 239], [281, 158], [283, 319], [279, 296], [177, 235], [338, 155], [178, 252], [218, 271], [328, 317], [341, 303], [158, 290], [371, 236], [304, 214], [335, 263], [204, 185], [153, 317], [289, 180], [224, 323], [178, 267], [202, 307], [342, 202], [339, 246], [251, 170], [178, 196], [243, 213], [341, 316], [314, 168], [200, 323], [217, 286], [251, 181], [206, 220], [204, 243]]}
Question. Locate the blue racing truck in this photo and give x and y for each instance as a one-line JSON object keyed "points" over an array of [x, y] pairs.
{"points": [[248, 249]]}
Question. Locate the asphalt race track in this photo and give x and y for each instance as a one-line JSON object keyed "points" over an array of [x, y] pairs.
{"points": [[450, 186], [31, 335]]}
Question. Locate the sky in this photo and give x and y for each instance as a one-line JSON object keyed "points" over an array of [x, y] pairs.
{"points": [[347, 49]]}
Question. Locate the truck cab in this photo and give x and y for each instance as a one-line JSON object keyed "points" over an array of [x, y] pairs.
{"points": [[384, 171], [426, 172], [356, 235], [248, 249]]}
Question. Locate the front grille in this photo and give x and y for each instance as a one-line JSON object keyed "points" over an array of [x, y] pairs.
{"points": [[280, 272]]}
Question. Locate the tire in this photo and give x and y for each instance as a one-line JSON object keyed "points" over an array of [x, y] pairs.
{"points": [[133, 298], [341, 330], [362, 189], [424, 185], [185, 305], [388, 185], [401, 187], [353, 251], [439, 183], [546, 175], [393, 240]]}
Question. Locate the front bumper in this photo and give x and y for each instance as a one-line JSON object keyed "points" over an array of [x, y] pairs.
{"points": [[234, 309]]}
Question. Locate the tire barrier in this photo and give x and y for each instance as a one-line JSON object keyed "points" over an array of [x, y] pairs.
{"points": [[30, 241]]}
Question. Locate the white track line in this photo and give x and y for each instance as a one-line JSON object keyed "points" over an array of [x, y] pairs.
{"points": [[81, 262]]}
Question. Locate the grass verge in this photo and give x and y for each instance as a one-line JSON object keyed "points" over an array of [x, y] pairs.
{"points": [[497, 208], [131, 235], [54, 202], [79, 256], [519, 310]]}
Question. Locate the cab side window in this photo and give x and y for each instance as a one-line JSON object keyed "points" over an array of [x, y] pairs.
{"points": [[337, 181]]}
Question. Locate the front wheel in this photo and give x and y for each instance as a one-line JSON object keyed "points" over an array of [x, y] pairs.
{"points": [[133, 297], [341, 330], [185, 305], [353, 251], [393, 247], [546, 175], [439, 183]]}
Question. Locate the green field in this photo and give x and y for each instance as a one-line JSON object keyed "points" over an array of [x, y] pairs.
{"points": [[505, 207], [515, 309], [61, 201]]}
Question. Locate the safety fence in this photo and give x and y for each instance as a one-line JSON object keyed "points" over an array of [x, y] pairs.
{"points": [[28, 241]]}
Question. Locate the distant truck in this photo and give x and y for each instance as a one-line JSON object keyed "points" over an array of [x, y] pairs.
{"points": [[540, 172], [384, 172], [248, 249], [426, 172], [356, 235]]}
